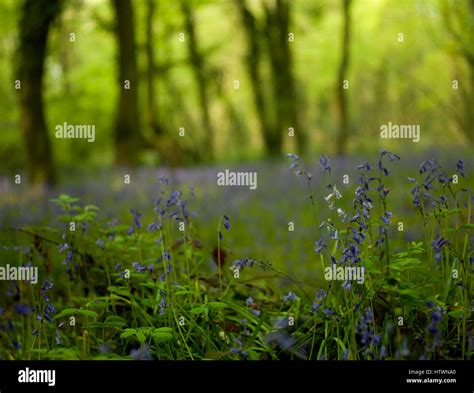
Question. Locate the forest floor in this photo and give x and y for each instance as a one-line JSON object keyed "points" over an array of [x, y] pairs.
{"points": [[167, 264]]}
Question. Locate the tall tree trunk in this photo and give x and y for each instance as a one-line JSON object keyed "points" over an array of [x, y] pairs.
{"points": [[285, 104], [341, 93], [273, 34], [200, 76], [459, 23], [35, 22], [469, 57], [291, 98], [150, 54], [127, 132], [252, 60]]}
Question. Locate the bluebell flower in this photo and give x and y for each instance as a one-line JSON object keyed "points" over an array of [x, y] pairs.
{"points": [[282, 339], [138, 267], [438, 244], [49, 308], [404, 351], [320, 295], [365, 330], [151, 227], [47, 285], [62, 247], [173, 199], [142, 353], [428, 165], [460, 168], [347, 285], [136, 217], [163, 305], [386, 217], [22, 309], [365, 166], [324, 162], [100, 243], [249, 302], [226, 222], [391, 156], [290, 297], [238, 349], [292, 156], [319, 246]]}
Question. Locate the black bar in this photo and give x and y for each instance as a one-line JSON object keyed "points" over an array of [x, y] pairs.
{"points": [[333, 376]]}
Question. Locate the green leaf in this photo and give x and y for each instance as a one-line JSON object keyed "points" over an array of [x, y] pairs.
{"points": [[340, 343], [179, 293], [73, 311], [88, 313], [457, 314], [141, 337], [115, 321], [217, 305], [65, 313], [127, 333], [163, 330], [162, 336], [199, 309]]}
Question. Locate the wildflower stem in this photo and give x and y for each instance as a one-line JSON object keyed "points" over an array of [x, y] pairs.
{"points": [[311, 198], [219, 253]]}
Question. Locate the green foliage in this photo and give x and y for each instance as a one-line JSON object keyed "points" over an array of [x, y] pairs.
{"points": [[147, 291]]}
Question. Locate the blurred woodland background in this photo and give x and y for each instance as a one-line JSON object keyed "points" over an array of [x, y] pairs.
{"points": [[213, 81]]}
